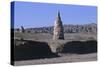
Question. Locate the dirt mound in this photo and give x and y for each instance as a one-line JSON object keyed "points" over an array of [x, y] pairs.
{"points": [[80, 47], [32, 50]]}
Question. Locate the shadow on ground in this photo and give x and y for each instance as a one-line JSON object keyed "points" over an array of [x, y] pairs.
{"points": [[80, 47], [32, 50]]}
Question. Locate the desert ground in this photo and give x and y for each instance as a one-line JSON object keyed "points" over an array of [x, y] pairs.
{"points": [[69, 58], [39, 48]]}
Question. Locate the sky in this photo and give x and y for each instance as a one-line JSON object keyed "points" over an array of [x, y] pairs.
{"points": [[32, 14]]}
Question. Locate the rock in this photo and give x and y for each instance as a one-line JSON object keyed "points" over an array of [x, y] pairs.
{"points": [[58, 29], [22, 29]]}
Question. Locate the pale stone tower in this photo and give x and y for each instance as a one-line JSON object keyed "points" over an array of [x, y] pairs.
{"points": [[58, 29]]}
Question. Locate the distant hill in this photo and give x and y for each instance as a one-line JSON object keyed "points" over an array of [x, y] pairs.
{"points": [[86, 28]]}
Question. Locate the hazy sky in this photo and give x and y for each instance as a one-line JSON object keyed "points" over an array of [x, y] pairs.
{"points": [[30, 14]]}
